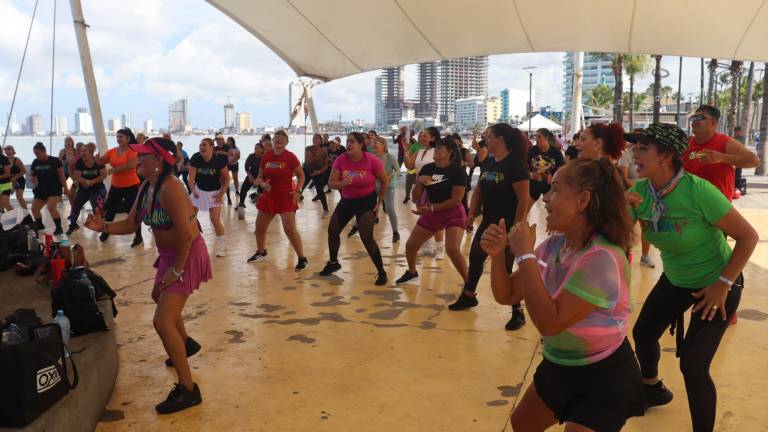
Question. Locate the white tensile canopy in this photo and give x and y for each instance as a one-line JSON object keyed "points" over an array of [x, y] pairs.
{"points": [[330, 39], [537, 122]]}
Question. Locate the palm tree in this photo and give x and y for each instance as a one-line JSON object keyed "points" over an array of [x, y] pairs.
{"points": [[712, 66], [657, 89], [617, 64], [668, 93], [639, 101], [635, 65], [746, 110], [601, 96], [735, 74], [763, 153]]}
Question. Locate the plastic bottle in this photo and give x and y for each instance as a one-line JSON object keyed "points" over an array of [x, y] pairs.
{"points": [[31, 241], [87, 282], [63, 322]]}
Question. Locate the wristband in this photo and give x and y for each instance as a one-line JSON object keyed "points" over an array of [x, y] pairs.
{"points": [[726, 281], [524, 257], [178, 275]]}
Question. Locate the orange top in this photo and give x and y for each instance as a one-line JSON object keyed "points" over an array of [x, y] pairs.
{"points": [[122, 179]]}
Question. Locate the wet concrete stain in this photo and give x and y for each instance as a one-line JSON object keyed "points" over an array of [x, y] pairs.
{"points": [[258, 315], [446, 297], [354, 298], [361, 310], [111, 415], [301, 338], [497, 403], [118, 260], [386, 294], [315, 285], [333, 301], [510, 391], [270, 308], [237, 336], [289, 313], [408, 305], [386, 314], [670, 350], [752, 315], [290, 288], [332, 280], [240, 304], [327, 294], [427, 325], [191, 317], [383, 325], [126, 403], [324, 316]]}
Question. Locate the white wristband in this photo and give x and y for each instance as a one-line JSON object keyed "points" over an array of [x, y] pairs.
{"points": [[726, 281], [524, 257]]}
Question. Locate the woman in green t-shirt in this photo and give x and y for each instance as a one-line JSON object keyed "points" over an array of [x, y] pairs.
{"points": [[685, 217]]}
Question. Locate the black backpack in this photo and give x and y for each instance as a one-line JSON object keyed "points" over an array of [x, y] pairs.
{"points": [[73, 297], [14, 240], [102, 288]]}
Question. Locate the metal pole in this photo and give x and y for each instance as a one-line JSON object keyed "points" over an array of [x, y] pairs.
{"points": [[578, 73], [701, 92], [53, 75], [530, 100], [88, 75], [679, 89]]}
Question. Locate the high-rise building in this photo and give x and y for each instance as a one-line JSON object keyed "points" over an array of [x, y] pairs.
{"points": [[514, 104], [14, 125], [83, 122], [229, 117], [114, 125], [34, 125], [148, 126], [60, 125], [427, 90], [476, 112], [295, 90], [379, 103], [461, 78], [394, 95], [596, 71], [127, 120], [243, 122], [178, 116]]}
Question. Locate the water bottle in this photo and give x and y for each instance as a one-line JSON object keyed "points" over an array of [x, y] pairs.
{"points": [[63, 322], [31, 241], [87, 282]]}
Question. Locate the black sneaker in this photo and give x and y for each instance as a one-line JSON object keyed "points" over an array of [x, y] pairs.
{"points": [[395, 237], [408, 277], [656, 395], [72, 228], [229, 201], [192, 348], [39, 226], [316, 198], [58, 231], [137, 241], [330, 268], [103, 237], [517, 320], [381, 279], [302, 264], [352, 232], [258, 256], [179, 399], [464, 302]]}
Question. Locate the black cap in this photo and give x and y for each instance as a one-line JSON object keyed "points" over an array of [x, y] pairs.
{"points": [[665, 135]]}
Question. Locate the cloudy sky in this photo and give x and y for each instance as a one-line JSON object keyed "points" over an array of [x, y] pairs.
{"points": [[153, 52]]}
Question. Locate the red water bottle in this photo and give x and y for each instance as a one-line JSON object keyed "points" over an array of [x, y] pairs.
{"points": [[48, 241]]}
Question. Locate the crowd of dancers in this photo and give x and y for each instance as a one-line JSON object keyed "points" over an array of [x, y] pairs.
{"points": [[574, 284]]}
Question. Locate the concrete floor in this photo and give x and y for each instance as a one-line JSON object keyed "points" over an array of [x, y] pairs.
{"points": [[286, 351]]}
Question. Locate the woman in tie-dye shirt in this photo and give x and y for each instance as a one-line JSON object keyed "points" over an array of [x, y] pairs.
{"points": [[576, 288]]}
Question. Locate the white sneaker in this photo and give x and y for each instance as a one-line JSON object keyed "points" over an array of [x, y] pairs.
{"points": [[646, 261], [221, 247], [428, 248], [439, 250]]}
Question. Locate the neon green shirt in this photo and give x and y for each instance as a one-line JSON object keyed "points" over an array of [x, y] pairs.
{"points": [[693, 250]]}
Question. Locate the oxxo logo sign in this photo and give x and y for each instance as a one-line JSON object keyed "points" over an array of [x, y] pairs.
{"points": [[47, 378]]}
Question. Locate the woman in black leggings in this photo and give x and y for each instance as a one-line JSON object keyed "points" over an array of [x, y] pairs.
{"points": [[355, 174], [685, 217], [502, 190], [252, 166], [125, 181]]}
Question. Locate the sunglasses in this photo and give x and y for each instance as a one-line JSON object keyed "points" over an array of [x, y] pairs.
{"points": [[699, 117]]}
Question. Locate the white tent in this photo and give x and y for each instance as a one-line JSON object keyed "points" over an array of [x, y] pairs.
{"points": [[539, 121], [330, 39]]}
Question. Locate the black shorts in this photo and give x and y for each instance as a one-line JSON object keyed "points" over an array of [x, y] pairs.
{"points": [[600, 396], [7, 192], [537, 189], [347, 208], [20, 183], [43, 192], [234, 168]]}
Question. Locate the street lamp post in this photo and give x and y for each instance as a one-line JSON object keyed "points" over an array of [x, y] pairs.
{"points": [[530, 95]]}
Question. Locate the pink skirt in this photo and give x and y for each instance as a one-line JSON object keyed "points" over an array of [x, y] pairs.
{"points": [[197, 269]]}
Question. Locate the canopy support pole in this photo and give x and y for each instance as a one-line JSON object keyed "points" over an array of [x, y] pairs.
{"points": [[578, 73], [88, 75]]}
